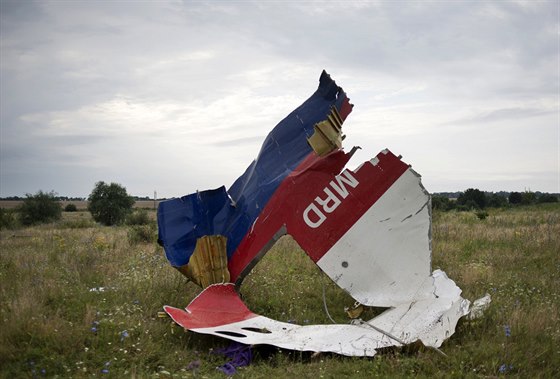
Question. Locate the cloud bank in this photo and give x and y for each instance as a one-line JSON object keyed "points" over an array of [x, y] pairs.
{"points": [[177, 96]]}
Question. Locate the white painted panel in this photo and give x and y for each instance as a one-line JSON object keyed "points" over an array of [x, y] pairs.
{"points": [[385, 257], [351, 340], [431, 320]]}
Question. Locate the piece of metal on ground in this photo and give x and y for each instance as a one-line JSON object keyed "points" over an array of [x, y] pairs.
{"points": [[368, 229]]}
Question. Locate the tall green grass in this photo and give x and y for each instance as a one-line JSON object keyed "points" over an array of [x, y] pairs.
{"points": [[81, 300]]}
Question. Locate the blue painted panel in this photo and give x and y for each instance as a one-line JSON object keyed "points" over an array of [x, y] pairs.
{"points": [[182, 221]]}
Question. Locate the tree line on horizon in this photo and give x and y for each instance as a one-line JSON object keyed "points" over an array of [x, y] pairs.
{"points": [[475, 199], [110, 204], [538, 195]]}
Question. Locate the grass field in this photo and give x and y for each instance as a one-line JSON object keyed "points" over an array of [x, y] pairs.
{"points": [[81, 300]]}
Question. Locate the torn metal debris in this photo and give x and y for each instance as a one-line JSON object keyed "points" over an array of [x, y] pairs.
{"points": [[368, 229]]}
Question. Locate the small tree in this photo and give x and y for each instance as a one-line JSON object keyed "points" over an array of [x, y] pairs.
{"points": [[441, 203], [39, 208], [109, 204], [528, 198], [472, 198], [515, 198], [497, 201]]}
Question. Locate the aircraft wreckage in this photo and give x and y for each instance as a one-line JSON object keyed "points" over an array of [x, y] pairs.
{"points": [[368, 229]]}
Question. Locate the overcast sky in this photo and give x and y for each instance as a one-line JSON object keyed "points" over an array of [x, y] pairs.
{"points": [[177, 96]]}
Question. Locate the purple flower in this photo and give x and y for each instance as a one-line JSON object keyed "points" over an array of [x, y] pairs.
{"points": [[227, 369], [124, 334], [104, 371], [507, 330], [194, 365], [94, 329], [503, 368]]}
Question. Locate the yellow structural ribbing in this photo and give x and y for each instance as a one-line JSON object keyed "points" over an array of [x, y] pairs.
{"points": [[327, 135], [208, 263]]}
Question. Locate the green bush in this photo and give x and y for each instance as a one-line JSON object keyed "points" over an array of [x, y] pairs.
{"points": [[547, 198], [442, 203], [515, 198], [528, 198], [138, 217], [472, 198], [141, 234], [481, 215], [39, 208], [70, 208], [109, 204], [7, 219], [497, 201]]}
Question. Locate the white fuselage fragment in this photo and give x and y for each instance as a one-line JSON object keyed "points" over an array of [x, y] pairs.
{"points": [[383, 259]]}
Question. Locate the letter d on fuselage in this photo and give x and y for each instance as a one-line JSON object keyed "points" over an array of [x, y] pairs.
{"points": [[316, 212]]}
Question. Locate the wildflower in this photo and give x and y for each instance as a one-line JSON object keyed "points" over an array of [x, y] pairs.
{"points": [[227, 369], [124, 334], [505, 368], [94, 329], [105, 370], [194, 365], [507, 330]]}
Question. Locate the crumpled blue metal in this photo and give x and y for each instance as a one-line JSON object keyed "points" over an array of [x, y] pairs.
{"points": [[240, 354], [231, 213]]}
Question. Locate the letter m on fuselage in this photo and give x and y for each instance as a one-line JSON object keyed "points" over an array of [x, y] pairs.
{"points": [[316, 212]]}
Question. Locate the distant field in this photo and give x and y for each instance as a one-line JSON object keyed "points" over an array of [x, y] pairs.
{"points": [[80, 300], [10, 204]]}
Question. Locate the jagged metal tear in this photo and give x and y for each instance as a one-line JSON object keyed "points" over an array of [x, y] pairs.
{"points": [[383, 260], [219, 311], [369, 230]]}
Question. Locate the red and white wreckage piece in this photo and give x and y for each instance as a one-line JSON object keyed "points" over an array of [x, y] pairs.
{"points": [[369, 230]]}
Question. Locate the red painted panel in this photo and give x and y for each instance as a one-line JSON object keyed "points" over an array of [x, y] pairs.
{"points": [[217, 305], [300, 189]]}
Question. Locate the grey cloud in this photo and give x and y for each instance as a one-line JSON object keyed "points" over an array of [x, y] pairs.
{"points": [[239, 141], [64, 56], [505, 114]]}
